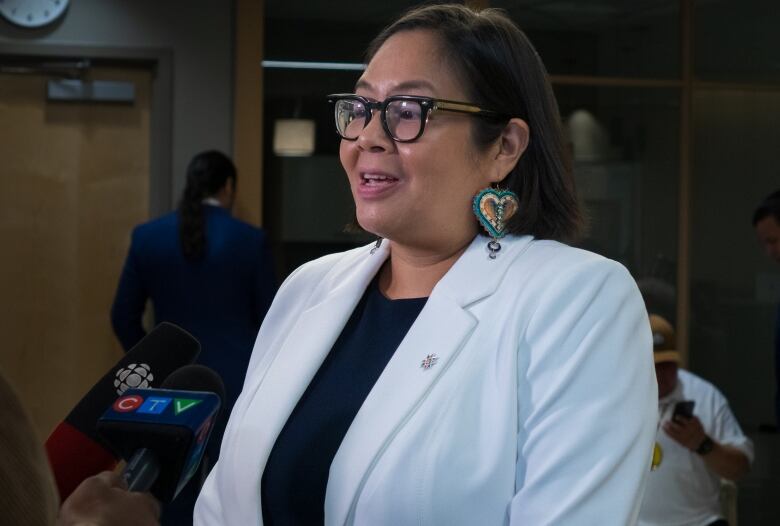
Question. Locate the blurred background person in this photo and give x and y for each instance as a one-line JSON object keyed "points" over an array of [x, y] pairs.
{"points": [[207, 272], [28, 495], [766, 222], [697, 444]]}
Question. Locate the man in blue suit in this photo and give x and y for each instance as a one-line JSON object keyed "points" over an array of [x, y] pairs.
{"points": [[207, 272]]}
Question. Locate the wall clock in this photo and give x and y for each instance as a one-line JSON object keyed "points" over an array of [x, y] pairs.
{"points": [[32, 13]]}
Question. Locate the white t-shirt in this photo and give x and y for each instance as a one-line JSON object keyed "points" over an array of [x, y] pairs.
{"points": [[683, 491]]}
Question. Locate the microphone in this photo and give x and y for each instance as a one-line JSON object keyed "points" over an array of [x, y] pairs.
{"points": [[162, 433], [74, 448]]}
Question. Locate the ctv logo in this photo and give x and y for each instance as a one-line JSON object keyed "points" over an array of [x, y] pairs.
{"points": [[153, 405]]}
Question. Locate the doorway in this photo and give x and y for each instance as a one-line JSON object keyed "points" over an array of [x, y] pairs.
{"points": [[74, 179]]}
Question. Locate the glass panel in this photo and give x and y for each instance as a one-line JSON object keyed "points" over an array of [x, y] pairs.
{"points": [[737, 42], [735, 287], [306, 200], [602, 37], [625, 144]]}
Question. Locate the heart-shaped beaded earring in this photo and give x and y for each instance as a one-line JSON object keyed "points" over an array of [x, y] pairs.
{"points": [[493, 208]]}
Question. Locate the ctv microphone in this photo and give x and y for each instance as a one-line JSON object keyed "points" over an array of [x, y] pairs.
{"points": [[162, 433], [74, 448]]}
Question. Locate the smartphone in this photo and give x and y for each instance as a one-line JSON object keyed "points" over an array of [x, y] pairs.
{"points": [[683, 409]]}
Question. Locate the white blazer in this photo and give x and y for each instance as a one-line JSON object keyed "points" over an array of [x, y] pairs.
{"points": [[540, 409]]}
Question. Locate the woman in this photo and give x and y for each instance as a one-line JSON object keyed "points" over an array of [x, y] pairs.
{"points": [[440, 376]]}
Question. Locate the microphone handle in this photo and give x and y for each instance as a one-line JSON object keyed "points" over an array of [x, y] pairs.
{"points": [[141, 470]]}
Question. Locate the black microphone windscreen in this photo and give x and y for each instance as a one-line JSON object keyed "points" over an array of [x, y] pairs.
{"points": [[195, 377], [166, 348]]}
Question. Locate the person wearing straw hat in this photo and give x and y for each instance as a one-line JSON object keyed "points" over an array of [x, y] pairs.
{"points": [[698, 442]]}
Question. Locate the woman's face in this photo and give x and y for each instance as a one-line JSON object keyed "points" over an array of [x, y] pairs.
{"points": [[419, 193]]}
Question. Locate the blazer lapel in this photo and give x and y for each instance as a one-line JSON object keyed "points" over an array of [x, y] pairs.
{"points": [[278, 390], [439, 332]]}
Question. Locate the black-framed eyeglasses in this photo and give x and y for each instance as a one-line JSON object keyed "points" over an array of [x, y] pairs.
{"points": [[403, 116]]}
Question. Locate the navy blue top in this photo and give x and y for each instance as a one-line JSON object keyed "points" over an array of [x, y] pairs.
{"points": [[295, 477]]}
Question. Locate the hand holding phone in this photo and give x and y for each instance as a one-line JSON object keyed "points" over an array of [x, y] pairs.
{"points": [[683, 409]]}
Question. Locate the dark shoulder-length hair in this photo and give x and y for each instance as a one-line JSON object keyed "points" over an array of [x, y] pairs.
{"points": [[502, 71], [207, 173]]}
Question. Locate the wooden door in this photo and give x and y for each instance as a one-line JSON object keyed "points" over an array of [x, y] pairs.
{"points": [[74, 179]]}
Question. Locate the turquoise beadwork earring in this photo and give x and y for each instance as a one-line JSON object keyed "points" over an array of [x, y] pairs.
{"points": [[493, 208]]}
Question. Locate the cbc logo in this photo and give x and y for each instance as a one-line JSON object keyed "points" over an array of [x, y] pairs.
{"points": [[134, 376]]}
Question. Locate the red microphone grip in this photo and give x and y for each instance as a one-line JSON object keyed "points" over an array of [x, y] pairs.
{"points": [[74, 457]]}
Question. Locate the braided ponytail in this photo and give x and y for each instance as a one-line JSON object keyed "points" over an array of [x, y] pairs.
{"points": [[207, 173]]}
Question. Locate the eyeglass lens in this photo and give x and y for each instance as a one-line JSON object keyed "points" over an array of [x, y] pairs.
{"points": [[403, 118]]}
